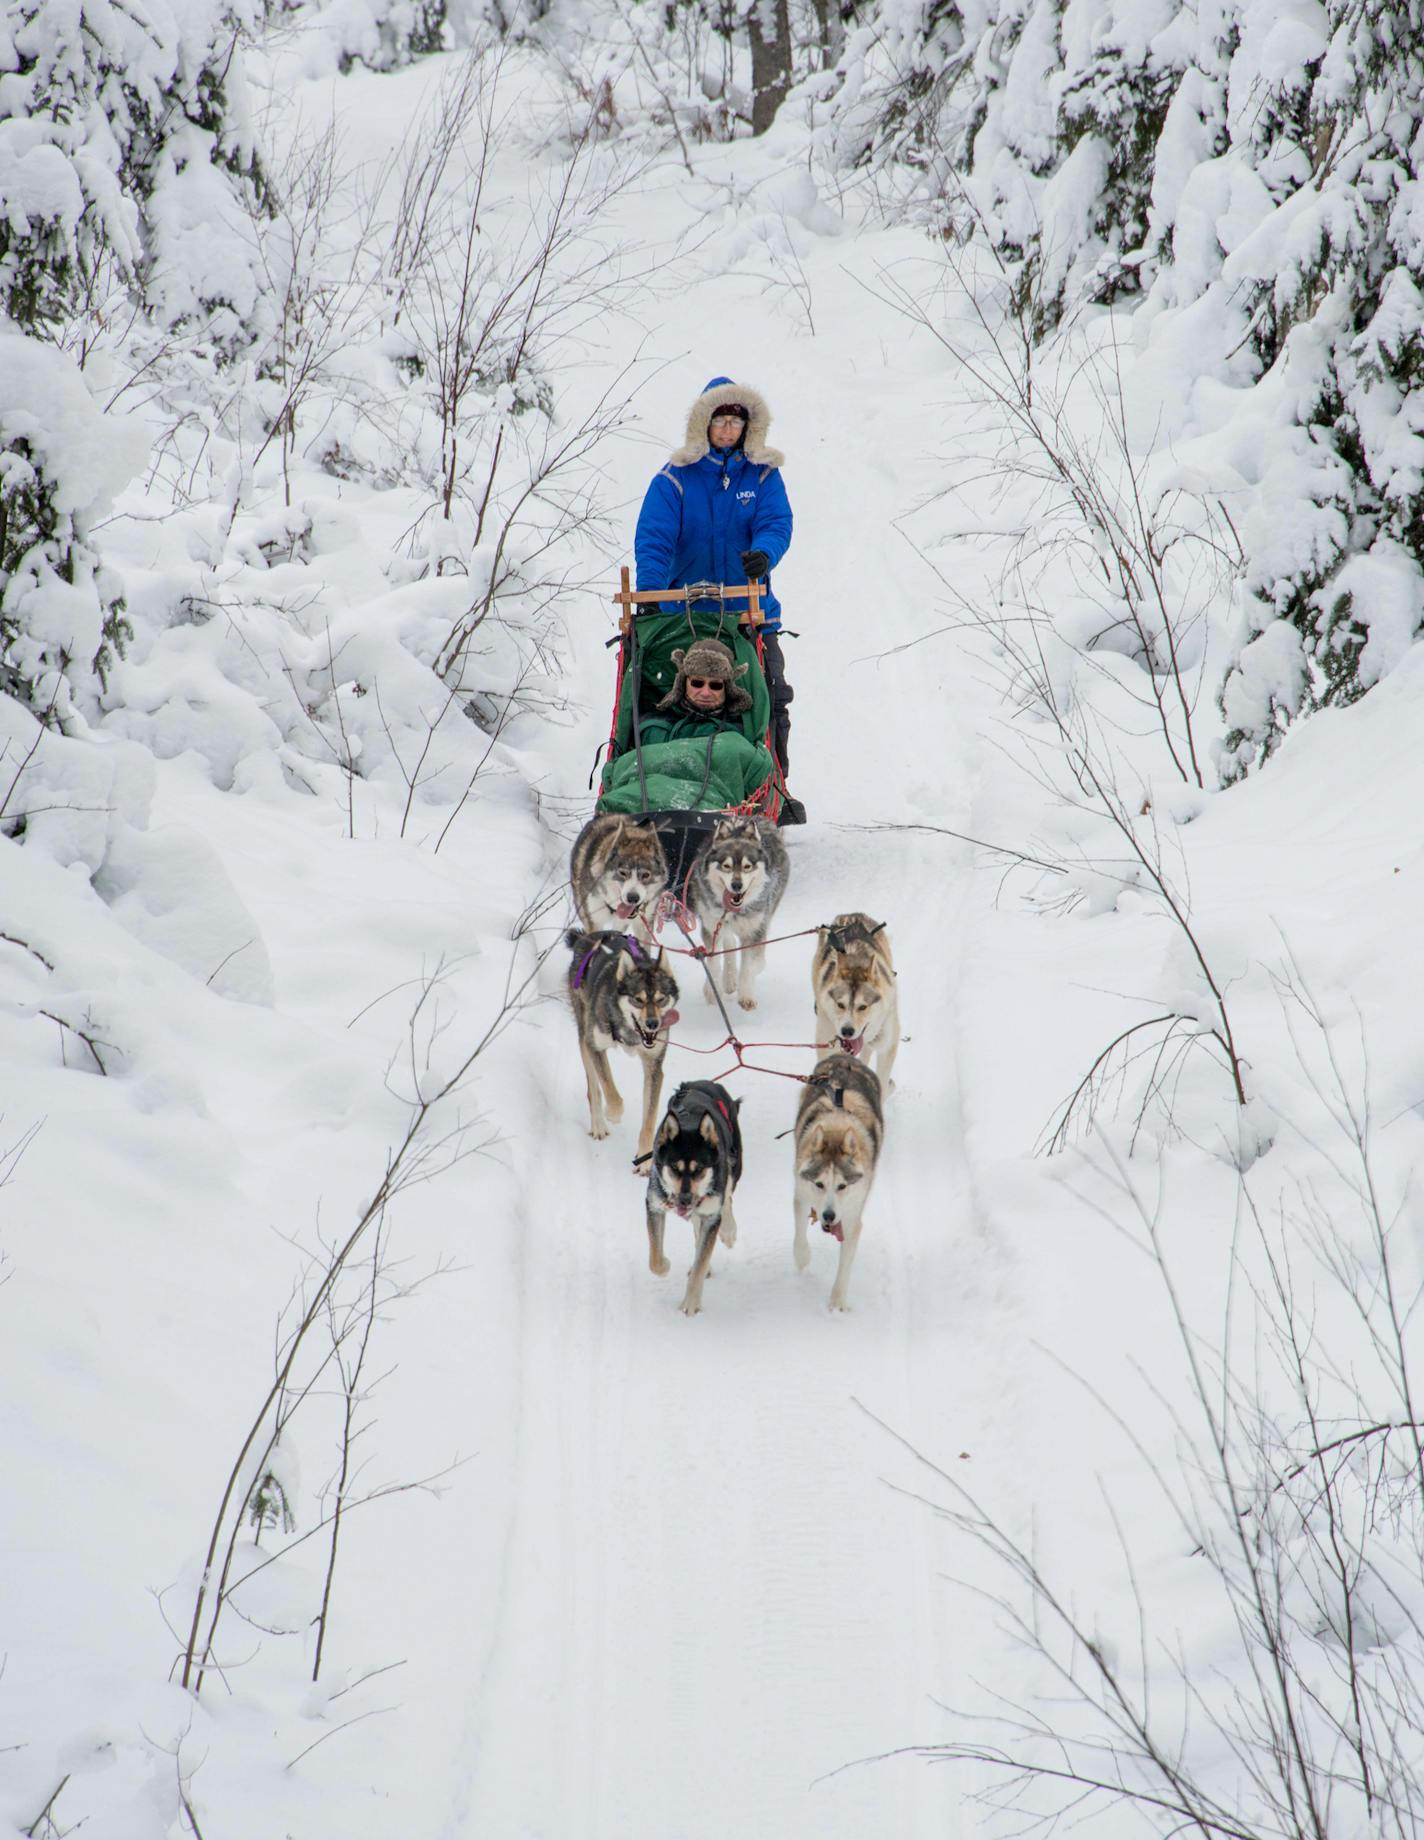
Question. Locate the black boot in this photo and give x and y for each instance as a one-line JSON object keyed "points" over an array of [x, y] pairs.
{"points": [[792, 811]]}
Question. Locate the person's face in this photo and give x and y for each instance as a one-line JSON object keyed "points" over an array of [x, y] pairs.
{"points": [[725, 431], [706, 693]]}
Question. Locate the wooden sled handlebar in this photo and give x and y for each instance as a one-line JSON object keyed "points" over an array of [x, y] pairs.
{"points": [[630, 598]]}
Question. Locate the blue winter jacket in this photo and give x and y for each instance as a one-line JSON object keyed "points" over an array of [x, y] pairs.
{"points": [[696, 521]]}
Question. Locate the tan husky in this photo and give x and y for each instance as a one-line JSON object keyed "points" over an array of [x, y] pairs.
{"points": [[839, 1126], [857, 1002]]}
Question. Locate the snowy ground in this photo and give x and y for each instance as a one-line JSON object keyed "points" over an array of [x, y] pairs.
{"points": [[682, 1583]]}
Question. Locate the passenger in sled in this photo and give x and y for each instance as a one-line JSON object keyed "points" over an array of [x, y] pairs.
{"points": [[718, 512], [692, 752]]}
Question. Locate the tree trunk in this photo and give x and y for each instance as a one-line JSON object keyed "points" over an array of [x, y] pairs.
{"points": [[831, 31], [770, 27]]}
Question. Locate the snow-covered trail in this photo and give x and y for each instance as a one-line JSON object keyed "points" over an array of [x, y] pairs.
{"points": [[712, 1599]]}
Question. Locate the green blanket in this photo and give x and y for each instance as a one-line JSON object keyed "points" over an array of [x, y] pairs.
{"points": [[702, 774]]}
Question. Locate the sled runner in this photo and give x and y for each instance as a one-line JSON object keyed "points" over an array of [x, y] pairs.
{"points": [[683, 786]]}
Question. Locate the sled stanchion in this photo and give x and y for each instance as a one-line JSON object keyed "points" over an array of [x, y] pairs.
{"points": [[633, 601]]}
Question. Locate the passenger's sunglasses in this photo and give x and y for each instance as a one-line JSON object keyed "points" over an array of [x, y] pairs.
{"points": [[704, 683]]}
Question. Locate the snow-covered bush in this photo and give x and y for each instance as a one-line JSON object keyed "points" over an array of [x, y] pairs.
{"points": [[61, 611], [381, 34]]}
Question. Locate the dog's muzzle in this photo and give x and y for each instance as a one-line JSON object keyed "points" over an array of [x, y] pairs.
{"points": [[851, 1043], [628, 906], [829, 1224]]}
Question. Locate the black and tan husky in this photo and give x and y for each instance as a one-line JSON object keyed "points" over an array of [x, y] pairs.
{"points": [[696, 1165], [839, 1126], [623, 996]]}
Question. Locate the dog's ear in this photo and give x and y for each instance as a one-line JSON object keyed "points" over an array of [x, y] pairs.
{"points": [[707, 1130], [667, 1130]]}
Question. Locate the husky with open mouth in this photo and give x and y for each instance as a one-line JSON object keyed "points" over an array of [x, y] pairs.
{"points": [[735, 888], [857, 1000], [696, 1164], [623, 996], [839, 1127], [617, 870]]}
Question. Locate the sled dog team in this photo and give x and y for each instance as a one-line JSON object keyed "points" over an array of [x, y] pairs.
{"points": [[625, 996]]}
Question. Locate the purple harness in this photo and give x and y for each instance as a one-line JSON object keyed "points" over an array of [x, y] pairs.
{"points": [[601, 945]]}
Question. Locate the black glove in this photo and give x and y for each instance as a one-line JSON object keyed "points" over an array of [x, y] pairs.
{"points": [[756, 562]]}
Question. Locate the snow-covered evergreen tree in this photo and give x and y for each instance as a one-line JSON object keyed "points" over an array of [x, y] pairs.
{"points": [[61, 611], [1259, 167], [125, 157]]}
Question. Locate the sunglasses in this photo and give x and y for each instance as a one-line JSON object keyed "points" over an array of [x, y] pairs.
{"points": [[728, 418], [704, 683]]}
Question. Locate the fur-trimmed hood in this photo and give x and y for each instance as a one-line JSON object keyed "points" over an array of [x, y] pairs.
{"points": [[722, 390]]}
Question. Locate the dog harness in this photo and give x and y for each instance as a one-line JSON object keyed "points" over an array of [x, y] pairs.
{"points": [[605, 944], [852, 933]]}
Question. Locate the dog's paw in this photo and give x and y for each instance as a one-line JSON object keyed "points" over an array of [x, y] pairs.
{"points": [[747, 1002], [691, 1306], [839, 1304], [803, 1257], [727, 1232], [598, 1132], [659, 1267]]}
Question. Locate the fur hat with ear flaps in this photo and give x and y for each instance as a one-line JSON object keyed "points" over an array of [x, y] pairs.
{"points": [[709, 658], [718, 394]]}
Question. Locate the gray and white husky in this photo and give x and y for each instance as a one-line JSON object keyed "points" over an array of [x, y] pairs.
{"points": [[839, 1127], [617, 870], [696, 1166], [623, 996], [735, 887], [857, 1001]]}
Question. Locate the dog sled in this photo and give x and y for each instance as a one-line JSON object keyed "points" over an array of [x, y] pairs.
{"points": [[682, 787]]}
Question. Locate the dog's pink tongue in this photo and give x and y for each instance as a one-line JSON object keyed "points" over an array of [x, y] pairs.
{"points": [[670, 1018], [625, 910], [853, 1046], [835, 1230], [731, 902]]}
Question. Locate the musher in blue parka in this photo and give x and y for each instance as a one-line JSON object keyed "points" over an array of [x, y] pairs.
{"points": [[718, 511]]}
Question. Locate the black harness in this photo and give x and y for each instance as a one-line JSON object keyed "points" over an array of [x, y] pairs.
{"points": [[852, 933], [695, 1100]]}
